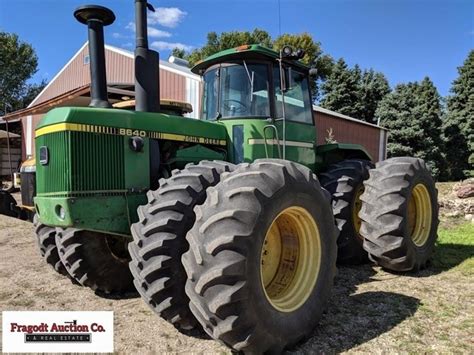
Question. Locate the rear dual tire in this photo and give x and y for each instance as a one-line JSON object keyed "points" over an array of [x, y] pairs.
{"points": [[345, 182], [400, 214]]}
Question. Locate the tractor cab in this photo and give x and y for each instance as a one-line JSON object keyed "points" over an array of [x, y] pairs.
{"points": [[247, 82], [264, 99]]}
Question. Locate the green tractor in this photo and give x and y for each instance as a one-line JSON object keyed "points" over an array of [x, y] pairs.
{"points": [[230, 224]]}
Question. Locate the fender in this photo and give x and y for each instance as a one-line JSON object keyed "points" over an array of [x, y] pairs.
{"points": [[332, 153]]}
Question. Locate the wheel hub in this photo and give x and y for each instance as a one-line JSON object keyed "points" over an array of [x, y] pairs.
{"points": [[356, 207], [419, 215], [290, 259]]}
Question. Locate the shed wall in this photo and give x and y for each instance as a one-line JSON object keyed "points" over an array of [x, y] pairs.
{"points": [[346, 131], [120, 69]]}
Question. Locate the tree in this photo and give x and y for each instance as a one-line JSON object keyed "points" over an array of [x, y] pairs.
{"points": [[313, 53], [341, 89], [216, 43], [354, 92], [373, 88], [313, 57], [18, 63], [178, 53], [412, 113], [458, 126]]}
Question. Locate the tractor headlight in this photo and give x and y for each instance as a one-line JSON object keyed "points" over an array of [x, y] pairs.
{"points": [[60, 212]]}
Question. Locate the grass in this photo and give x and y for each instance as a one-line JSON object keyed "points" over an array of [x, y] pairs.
{"points": [[455, 249]]}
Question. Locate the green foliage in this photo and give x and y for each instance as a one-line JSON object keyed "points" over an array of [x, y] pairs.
{"points": [[458, 126], [218, 42], [412, 113], [313, 57], [341, 89], [455, 248], [372, 89], [178, 52], [354, 92], [18, 62]]}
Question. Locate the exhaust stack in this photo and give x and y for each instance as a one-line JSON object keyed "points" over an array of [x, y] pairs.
{"points": [[147, 74], [96, 17]]}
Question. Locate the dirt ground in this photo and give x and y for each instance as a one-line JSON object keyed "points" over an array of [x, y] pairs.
{"points": [[372, 311]]}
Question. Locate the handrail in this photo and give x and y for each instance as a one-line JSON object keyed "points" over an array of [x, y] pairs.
{"points": [[265, 139]]}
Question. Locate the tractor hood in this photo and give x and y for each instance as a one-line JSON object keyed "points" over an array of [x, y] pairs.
{"points": [[131, 123]]}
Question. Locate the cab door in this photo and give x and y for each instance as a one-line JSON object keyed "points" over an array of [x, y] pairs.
{"points": [[294, 116]]}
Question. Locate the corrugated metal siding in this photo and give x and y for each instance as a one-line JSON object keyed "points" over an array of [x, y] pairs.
{"points": [[120, 69], [76, 74], [346, 131], [172, 86]]}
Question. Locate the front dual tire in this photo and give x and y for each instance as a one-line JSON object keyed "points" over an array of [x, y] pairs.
{"points": [[262, 256], [96, 260]]}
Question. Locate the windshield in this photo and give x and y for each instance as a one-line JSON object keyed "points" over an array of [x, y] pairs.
{"points": [[236, 90]]}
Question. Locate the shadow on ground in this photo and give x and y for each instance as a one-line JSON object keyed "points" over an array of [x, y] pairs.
{"points": [[353, 319], [117, 296], [448, 256]]}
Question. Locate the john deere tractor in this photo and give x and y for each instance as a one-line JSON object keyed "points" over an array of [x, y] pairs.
{"points": [[230, 224]]}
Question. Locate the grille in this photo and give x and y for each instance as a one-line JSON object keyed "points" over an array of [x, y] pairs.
{"points": [[81, 162]]}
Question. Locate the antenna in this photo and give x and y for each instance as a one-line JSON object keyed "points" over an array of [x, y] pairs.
{"points": [[279, 18]]}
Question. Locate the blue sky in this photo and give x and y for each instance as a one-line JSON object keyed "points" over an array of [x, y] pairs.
{"points": [[405, 39]]}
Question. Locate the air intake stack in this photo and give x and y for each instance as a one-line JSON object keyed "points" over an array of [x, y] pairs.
{"points": [[96, 17], [147, 80]]}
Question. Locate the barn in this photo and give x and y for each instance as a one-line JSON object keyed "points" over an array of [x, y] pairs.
{"points": [[71, 87]]}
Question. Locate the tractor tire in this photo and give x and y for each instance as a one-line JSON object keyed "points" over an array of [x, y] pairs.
{"points": [[96, 260], [46, 240], [160, 240], [345, 182], [400, 214], [262, 257]]}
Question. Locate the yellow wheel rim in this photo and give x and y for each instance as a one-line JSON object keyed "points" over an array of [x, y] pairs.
{"points": [[290, 259], [419, 215], [356, 206]]}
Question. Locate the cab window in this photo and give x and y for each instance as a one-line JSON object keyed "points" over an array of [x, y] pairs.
{"points": [[236, 90], [298, 106]]}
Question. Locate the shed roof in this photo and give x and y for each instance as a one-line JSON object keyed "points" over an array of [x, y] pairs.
{"points": [[164, 65]]}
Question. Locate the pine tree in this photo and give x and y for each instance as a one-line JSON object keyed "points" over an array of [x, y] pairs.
{"points": [[354, 92], [373, 88], [412, 113], [341, 90], [458, 127]]}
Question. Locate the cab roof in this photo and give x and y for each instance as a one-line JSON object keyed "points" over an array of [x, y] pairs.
{"points": [[247, 52]]}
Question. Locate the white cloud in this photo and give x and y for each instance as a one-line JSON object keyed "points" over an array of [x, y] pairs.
{"points": [[118, 35], [152, 32], [161, 45], [127, 45], [156, 33], [166, 16]]}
